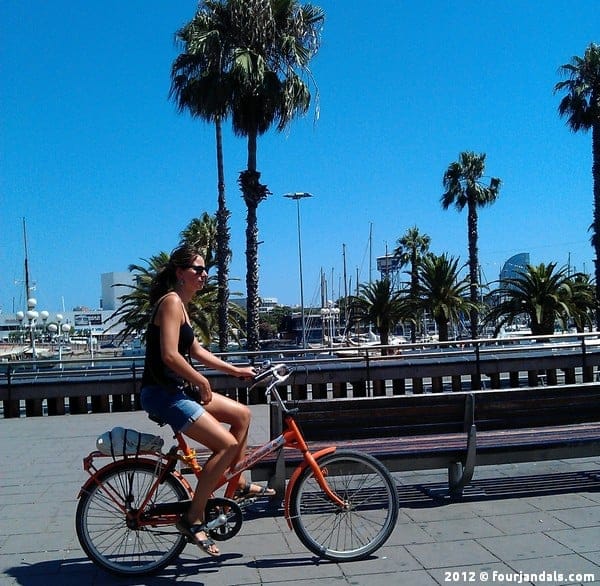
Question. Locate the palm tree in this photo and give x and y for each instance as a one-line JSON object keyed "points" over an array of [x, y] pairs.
{"points": [[581, 106], [380, 305], [202, 234], [198, 85], [250, 64], [462, 182], [442, 291], [275, 40], [410, 250], [543, 293], [583, 301]]}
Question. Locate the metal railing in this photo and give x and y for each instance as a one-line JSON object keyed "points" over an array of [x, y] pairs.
{"points": [[111, 383]]}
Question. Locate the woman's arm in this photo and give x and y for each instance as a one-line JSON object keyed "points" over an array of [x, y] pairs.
{"points": [[207, 358]]}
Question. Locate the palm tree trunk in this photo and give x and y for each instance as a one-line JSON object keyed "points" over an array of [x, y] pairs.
{"points": [[473, 265], [442, 325], [253, 193], [596, 225], [252, 301], [223, 251]]}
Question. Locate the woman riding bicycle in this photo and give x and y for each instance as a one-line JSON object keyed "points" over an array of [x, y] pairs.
{"points": [[168, 372]]}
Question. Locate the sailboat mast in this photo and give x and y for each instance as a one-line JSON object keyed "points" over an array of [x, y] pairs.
{"points": [[27, 288], [370, 252]]}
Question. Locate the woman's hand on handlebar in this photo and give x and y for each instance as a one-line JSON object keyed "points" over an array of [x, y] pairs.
{"points": [[245, 372]]}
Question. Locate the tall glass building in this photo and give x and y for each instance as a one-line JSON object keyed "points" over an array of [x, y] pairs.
{"points": [[514, 265]]}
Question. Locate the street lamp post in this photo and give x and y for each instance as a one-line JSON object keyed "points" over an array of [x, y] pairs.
{"points": [[298, 196], [32, 316], [59, 332]]}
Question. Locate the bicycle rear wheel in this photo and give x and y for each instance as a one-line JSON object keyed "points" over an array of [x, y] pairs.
{"points": [[363, 524], [102, 526]]}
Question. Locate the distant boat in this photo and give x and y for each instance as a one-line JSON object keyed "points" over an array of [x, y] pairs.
{"points": [[514, 331]]}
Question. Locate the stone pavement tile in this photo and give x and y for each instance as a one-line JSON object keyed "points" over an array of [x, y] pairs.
{"points": [[439, 512], [540, 521], [227, 569], [592, 556], [328, 581], [494, 507], [555, 570], [294, 568], [451, 553], [412, 578], [386, 560], [593, 496], [255, 545], [33, 543], [555, 502], [581, 517], [580, 540], [459, 529], [26, 566], [524, 546], [406, 533]]}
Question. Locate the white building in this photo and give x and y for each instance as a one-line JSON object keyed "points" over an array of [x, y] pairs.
{"points": [[83, 321]]}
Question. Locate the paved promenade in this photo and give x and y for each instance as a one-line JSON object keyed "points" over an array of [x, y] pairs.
{"points": [[527, 523]]}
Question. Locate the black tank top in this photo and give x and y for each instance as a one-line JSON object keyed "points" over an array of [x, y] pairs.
{"points": [[156, 372]]}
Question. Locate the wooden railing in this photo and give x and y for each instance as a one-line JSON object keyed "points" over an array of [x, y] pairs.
{"points": [[37, 388]]}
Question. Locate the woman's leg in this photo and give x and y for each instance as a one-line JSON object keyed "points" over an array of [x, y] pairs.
{"points": [[234, 414], [238, 417], [207, 431]]}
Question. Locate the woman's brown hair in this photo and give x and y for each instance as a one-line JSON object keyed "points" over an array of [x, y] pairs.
{"points": [[164, 281]]}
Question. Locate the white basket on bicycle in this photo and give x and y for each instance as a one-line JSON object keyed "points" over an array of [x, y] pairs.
{"points": [[120, 441]]}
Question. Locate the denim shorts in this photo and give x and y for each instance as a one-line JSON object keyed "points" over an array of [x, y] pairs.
{"points": [[174, 408]]}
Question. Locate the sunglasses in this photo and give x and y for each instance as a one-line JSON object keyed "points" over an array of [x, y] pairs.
{"points": [[198, 269]]}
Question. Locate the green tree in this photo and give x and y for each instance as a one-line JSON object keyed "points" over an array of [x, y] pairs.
{"points": [[442, 292], [275, 40], [583, 301], [378, 304], [581, 106], [198, 85], [543, 293], [264, 48], [462, 182], [410, 250], [202, 234]]}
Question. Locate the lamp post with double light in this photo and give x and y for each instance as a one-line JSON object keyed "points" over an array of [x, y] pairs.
{"points": [[60, 332], [298, 196]]}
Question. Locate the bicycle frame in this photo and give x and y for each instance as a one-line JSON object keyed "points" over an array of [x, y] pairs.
{"points": [[291, 437]]}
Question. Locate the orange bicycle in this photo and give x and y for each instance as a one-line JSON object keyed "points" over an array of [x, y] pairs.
{"points": [[342, 504]]}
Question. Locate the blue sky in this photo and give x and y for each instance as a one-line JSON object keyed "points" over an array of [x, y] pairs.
{"points": [[107, 173]]}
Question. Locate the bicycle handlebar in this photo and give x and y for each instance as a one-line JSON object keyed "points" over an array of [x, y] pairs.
{"points": [[278, 372]]}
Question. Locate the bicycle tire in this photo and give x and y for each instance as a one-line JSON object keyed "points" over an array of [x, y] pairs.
{"points": [[357, 530], [102, 527]]}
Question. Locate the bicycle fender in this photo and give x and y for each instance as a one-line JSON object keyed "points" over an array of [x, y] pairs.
{"points": [[294, 479], [122, 463]]}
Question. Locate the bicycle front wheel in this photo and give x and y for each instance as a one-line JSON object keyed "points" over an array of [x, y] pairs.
{"points": [[103, 530], [368, 517]]}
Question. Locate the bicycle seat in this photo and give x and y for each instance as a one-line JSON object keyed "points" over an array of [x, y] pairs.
{"points": [[156, 419]]}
